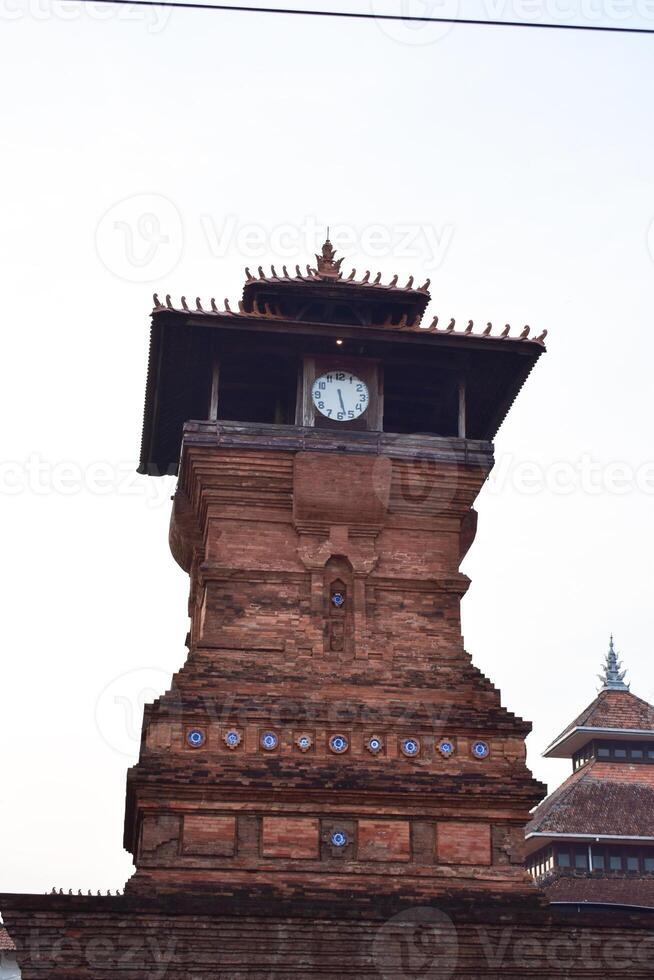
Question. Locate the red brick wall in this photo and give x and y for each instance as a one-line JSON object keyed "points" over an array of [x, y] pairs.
{"points": [[463, 843], [290, 837], [209, 835], [384, 840]]}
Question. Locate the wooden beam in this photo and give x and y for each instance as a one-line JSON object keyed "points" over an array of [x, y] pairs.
{"points": [[462, 409]]}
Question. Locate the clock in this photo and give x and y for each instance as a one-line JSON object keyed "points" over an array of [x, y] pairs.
{"points": [[340, 396]]}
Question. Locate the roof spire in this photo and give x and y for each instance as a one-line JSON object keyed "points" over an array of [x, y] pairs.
{"points": [[613, 677]]}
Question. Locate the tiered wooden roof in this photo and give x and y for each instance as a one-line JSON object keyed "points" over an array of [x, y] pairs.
{"points": [[298, 313]]}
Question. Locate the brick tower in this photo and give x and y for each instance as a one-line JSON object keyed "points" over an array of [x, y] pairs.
{"points": [[329, 788], [328, 729]]}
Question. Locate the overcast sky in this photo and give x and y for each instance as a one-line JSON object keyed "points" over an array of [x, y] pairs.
{"points": [[143, 152]]}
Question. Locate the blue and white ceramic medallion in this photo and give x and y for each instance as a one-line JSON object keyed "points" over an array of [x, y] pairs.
{"points": [[304, 741], [232, 739], [195, 738], [339, 838], [480, 749], [446, 747], [338, 599], [339, 744], [269, 741], [374, 744], [410, 746]]}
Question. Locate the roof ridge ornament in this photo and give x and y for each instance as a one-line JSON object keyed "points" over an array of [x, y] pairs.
{"points": [[329, 267], [613, 677]]}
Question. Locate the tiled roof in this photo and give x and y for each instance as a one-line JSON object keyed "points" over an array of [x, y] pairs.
{"points": [[629, 890], [614, 709], [6, 942], [268, 313], [314, 275], [600, 798]]}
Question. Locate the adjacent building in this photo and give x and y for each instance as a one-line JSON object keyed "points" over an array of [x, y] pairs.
{"points": [[592, 840], [8, 965]]}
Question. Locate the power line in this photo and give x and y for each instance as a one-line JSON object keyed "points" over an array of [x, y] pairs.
{"points": [[353, 15]]}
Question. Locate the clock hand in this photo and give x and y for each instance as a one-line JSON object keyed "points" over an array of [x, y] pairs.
{"points": [[340, 398]]}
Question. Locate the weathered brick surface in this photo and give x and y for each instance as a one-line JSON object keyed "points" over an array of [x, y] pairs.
{"points": [[463, 843], [384, 840], [262, 936], [268, 536], [214, 835], [290, 837]]}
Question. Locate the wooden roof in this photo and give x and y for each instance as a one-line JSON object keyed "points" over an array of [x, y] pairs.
{"points": [[304, 314]]}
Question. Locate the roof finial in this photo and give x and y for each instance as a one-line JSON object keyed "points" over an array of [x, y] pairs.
{"points": [[329, 267], [613, 677]]}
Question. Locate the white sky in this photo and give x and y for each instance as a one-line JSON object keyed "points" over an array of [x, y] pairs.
{"points": [[522, 163]]}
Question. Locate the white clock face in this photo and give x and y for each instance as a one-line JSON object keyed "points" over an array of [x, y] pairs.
{"points": [[340, 395]]}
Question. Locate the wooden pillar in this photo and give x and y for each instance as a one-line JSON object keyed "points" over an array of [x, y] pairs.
{"points": [[462, 409], [213, 400]]}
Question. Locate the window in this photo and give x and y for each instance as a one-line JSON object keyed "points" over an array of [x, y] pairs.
{"points": [[598, 862], [581, 860], [633, 863], [650, 754], [615, 862], [603, 752], [635, 753], [619, 753], [649, 864], [563, 859]]}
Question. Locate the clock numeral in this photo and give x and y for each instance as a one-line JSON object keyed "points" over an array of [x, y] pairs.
{"points": [[340, 376], [350, 414], [340, 416], [321, 404], [359, 386]]}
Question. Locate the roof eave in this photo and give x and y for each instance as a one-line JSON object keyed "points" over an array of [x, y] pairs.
{"points": [[568, 743]]}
